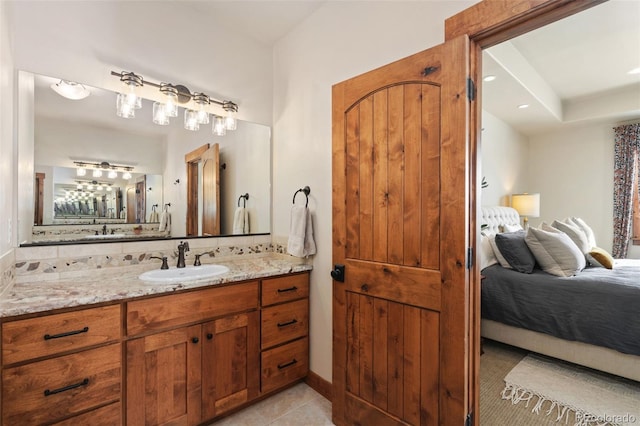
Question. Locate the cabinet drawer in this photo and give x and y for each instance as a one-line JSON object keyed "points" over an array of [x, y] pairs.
{"points": [[56, 388], [282, 323], [111, 415], [177, 309], [53, 334], [285, 364], [285, 289]]}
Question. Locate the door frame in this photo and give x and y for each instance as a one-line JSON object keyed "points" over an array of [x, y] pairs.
{"points": [[488, 23]]}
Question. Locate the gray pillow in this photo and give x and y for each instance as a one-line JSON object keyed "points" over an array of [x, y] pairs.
{"points": [[515, 250], [555, 252]]}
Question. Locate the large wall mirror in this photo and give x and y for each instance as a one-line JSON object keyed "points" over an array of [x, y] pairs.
{"points": [[139, 190]]}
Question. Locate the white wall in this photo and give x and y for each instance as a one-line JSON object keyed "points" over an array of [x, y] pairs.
{"points": [[8, 150], [573, 171], [503, 153], [339, 41]]}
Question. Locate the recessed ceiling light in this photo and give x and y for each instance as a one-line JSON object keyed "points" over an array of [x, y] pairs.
{"points": [[489, 78], [523, 106], [634, 71]]}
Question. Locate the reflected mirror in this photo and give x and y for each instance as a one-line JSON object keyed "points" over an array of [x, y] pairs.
{"points": [[98, 176]]}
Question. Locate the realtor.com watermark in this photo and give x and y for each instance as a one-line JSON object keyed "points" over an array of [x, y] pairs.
{"points": [[615, 419]]}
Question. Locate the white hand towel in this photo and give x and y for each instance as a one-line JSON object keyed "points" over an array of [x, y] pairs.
{"points": [[309, 242], [245, 226], [238, 220], [165, 222], [297, 230]]}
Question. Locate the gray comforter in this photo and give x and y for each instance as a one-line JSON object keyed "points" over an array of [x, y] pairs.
{"points": [[598, 306]]}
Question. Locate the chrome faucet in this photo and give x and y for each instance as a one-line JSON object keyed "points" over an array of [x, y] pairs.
{"points": [[182, 248], [104, 229]]}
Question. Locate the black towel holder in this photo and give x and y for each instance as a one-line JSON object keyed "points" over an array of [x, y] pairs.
{"points": [[306, 191], [244, 198]]}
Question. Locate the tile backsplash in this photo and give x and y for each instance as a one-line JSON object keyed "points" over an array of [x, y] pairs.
{"points": [[44, 263]]}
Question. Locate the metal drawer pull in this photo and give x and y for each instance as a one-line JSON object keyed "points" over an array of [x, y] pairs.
{"points": [[284, 290], [48, 392], [68, 333], [284, 324], [287, 364]]}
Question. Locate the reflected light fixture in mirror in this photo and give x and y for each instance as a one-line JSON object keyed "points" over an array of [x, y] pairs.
{"points": [[160, 114], [219, 126], [202, 101], [171, 103], [191, 120], [70, 90]]}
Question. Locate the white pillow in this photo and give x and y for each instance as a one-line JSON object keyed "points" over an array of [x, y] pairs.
{"points": [[575, 233], [512, 228], [496, 251], [591, 237], [554, 251], [487, 256]]}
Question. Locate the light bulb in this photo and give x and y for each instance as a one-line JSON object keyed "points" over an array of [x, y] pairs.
{"points": [[89, 187], [202, 101], [79, 186], [112, 174], [81, 171], [98, 187], [97, 173], [219, 128], [159, 114], [191, 120], [230, 121], [109, 188], [126, 175]]}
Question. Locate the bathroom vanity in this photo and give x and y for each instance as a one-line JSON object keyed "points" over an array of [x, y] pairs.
{"points": [[153, 354]]}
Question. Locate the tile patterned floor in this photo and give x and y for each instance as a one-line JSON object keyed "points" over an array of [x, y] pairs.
{"points": [[297, 406]]}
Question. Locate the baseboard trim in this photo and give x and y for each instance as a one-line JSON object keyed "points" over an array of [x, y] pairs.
{"points": [[320, 385]]}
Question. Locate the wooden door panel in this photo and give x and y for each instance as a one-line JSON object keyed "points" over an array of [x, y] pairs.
{"points": [[163, 378], [404, 284], [400, 215], [392, 358], [393, 176]]}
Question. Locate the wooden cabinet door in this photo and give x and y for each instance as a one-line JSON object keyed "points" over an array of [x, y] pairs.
{"points": [[230, 362], [400, 221], [163, 378]]}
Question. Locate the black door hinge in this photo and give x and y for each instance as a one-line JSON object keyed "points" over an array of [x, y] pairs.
{"points": [[469, 258], [471, 89], [469, 420]]}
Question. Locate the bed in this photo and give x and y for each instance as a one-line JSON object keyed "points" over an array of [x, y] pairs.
{"points": [[591, 319]]}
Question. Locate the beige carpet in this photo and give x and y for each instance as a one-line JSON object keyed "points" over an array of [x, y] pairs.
{"points": [[496, 363]]}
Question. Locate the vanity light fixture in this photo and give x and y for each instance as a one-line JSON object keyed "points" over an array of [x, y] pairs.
{"points": [[70, 90], [98, 168], [194, 115]]}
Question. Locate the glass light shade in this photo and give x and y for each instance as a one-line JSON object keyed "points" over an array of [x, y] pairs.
{"points": [[171, 102], [133, 99], [191, 120], [70, 90], [230, 121], [108, 188], [112, 174], [123, 108], [159, 114], [81, 171], [89, 188], [126, 175], [203, 116], [98, 187], [79, 186], [219, 128], [97, 173]]}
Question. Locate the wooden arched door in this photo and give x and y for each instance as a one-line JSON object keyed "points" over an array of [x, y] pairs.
{"points": [[400, 221]]}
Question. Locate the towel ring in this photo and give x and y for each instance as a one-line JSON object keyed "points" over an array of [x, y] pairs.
{"points": [[244, 197], [306, 191]]}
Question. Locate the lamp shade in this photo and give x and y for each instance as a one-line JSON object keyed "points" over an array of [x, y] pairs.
{"points": [[526, 204]]}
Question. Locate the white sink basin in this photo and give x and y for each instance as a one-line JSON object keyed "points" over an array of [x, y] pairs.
{"points": [[104, 237], [189, 273]]}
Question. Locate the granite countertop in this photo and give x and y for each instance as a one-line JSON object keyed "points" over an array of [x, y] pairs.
{"points": [[113, 284]]}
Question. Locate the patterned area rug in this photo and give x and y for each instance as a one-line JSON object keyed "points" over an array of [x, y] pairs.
{"points": [[595, 398]]}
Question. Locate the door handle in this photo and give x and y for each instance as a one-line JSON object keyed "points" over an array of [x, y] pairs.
{"points": [[338, 273]]}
